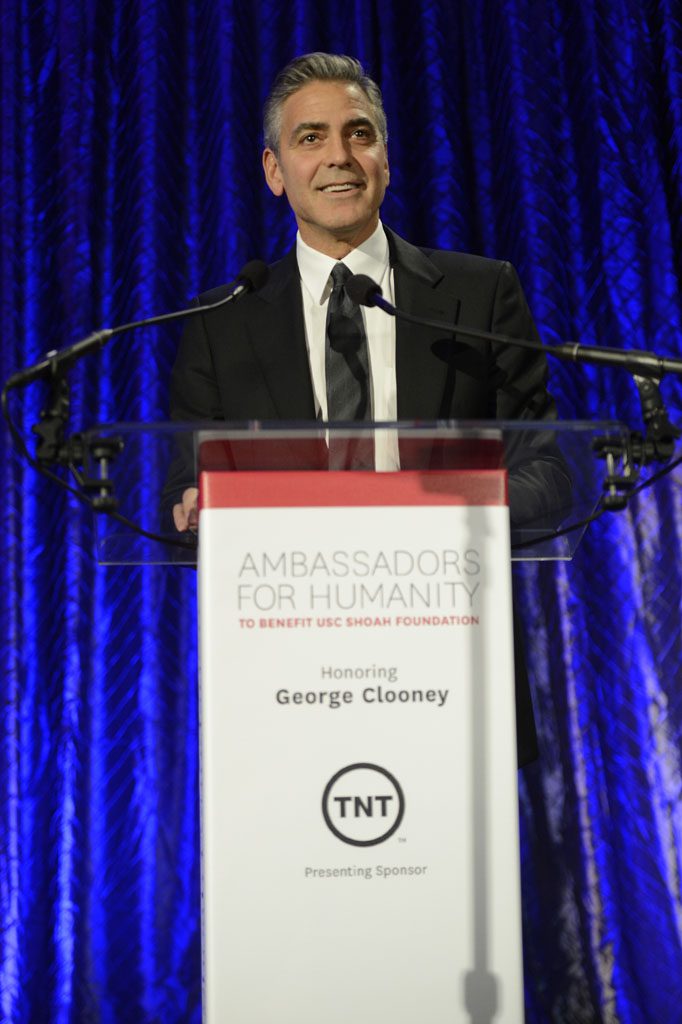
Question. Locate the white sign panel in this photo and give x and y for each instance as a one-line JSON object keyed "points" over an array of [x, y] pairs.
{"points": [[359, 805]]}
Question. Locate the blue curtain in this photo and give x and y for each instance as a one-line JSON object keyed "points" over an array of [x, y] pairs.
{"points": [[548, 132]]}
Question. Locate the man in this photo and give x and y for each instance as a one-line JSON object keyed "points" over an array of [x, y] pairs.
{"points": [[265, 357]]}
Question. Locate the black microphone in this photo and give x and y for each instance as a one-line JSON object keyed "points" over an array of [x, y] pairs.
{"points": [[366, 292], [251, 277]]}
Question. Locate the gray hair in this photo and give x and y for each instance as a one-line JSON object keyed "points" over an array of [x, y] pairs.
{"points": [[317, 67]]}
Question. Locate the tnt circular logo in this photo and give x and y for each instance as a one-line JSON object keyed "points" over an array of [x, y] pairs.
{"points": [[363, 804]]}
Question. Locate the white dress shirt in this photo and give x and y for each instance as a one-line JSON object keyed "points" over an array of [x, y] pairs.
{"points": [[370, 258]]}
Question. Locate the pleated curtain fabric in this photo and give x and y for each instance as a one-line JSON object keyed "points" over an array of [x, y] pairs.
{"points": [[549, 134]]}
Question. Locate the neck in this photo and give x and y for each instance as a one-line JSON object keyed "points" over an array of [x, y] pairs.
{"points": [[336, 246]]}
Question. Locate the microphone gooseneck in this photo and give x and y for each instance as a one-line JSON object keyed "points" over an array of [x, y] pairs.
{"points": [[366, 292], [251, 277], [54, 448]]}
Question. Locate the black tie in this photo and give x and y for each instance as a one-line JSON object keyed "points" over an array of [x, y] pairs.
{"points": [[346, 358], [347, 372]]}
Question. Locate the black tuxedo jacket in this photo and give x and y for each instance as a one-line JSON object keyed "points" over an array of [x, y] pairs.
{"points": [[249, 361]]}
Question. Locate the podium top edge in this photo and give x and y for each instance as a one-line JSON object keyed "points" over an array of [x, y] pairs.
{"points": [[212, 429]]}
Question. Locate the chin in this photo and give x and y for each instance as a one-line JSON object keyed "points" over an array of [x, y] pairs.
{"points": [[351, 225]]}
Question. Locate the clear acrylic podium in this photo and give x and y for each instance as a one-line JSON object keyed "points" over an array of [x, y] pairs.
{"points": [[359, 808], [148, 450]]}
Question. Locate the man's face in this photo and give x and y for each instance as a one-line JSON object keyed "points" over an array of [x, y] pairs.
{"points": [[332, 165]]}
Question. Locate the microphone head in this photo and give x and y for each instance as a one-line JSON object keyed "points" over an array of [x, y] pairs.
{"points": [[362, 290], [253, 275]]}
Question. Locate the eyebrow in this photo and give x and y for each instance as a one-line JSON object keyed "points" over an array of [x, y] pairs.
{"points": [[317, 126]]}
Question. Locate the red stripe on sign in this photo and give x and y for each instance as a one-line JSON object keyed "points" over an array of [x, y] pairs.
{"points": [[313, 489]]}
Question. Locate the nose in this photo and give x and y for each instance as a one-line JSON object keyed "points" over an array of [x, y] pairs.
{"points": [[338, 150]]}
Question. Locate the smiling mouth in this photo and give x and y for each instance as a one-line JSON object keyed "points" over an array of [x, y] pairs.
{"points": [[346, 186]]}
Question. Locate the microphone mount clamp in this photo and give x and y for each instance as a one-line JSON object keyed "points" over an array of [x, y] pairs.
{"points": [[53, 448], [625, 458]]}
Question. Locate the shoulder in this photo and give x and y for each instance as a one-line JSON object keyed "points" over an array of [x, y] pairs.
{"points": [[448, 265], [452, 262], [485, 292]]}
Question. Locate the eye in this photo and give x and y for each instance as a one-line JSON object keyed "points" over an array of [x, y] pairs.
{"points": [[363, 134]]}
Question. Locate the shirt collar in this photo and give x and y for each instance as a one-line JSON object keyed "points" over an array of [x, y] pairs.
{"points": [[370, 258]]}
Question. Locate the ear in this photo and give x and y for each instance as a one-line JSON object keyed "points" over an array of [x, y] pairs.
{"points": [[272, 172]]}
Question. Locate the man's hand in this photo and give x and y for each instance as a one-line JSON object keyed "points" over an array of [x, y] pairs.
{"points": [[186, 512]]}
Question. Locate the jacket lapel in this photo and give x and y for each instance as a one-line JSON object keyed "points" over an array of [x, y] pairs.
{"points": [[421, 376], [277, 336]]}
